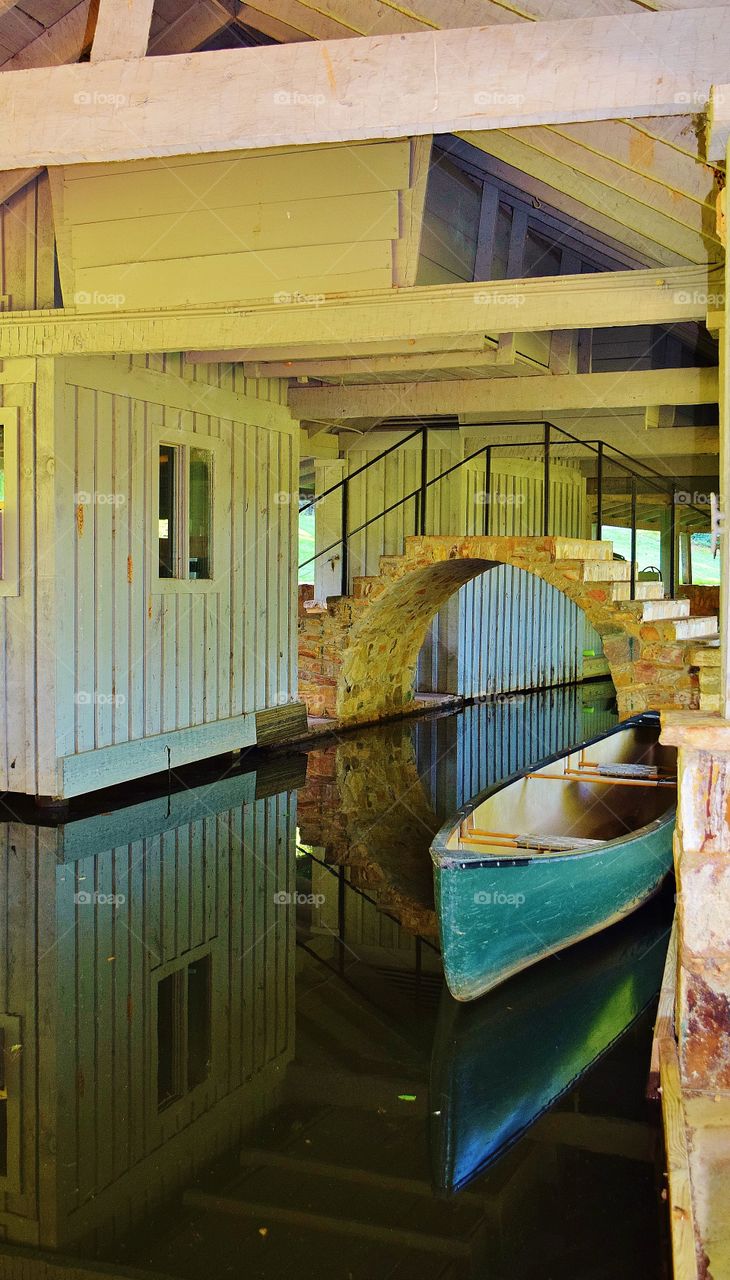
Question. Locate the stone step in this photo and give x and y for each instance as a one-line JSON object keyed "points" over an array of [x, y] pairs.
{"points": [[582, 549], [606, 571], [644, 591], [664, 609], [691, 628], [705, 655]]}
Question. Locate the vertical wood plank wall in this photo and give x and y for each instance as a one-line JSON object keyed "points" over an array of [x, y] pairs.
{"points": [[98, 1154], [89, 640], [541, 635]]}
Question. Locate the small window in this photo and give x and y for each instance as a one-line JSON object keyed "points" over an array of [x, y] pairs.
{"points": [[183, 1030], [185, 512]]}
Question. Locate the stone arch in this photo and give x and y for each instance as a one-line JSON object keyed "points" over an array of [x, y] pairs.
{"points": [[378, 669], [358, 655]]}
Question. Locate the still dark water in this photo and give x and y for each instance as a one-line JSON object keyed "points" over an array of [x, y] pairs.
{"points": [[238, 1060]]}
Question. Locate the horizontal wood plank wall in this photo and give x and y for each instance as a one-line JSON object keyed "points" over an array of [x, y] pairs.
{"points": [[206, 887], [143, 662], [223, 227]]}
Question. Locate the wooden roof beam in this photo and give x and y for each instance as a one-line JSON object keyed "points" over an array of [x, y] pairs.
{"points": [[538, 395], [423, 313], [370, 87], [122, 30]]}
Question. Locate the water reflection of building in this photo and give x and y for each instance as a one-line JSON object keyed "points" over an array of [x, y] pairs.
{"points": [[146, 1002]]}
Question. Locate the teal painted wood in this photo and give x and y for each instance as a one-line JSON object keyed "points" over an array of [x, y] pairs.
{"points": [[498, 915], [497, 1066]]}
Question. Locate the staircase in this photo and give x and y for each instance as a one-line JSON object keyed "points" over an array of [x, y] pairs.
{"points": [[358, 655]]}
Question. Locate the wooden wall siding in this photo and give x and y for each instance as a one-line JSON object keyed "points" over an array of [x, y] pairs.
{"points": [[459, 654], [393, 478], [26, 249], [27, 895], [144, 662], [225, 227], [543, 636], [27, 620], [90, 659], [205, 886]]}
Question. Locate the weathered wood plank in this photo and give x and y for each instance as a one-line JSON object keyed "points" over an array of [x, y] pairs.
{"points": [[122, 30], [509, 395], [595, 300], [417, 83]]}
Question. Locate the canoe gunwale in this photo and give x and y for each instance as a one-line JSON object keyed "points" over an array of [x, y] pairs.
{"points": [[449, 859]]}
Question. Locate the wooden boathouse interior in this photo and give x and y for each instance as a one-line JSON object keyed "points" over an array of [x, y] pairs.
{"points": [[357, 358]]}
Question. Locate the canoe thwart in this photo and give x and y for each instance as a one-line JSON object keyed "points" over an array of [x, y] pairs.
{"points": [[534, 841]]}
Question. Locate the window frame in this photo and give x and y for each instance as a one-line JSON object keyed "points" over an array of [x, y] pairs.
{"points": [[177, 970], [184, 442], [10, 563]]}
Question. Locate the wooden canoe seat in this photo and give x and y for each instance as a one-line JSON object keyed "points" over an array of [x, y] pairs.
{"points": [[649, 771], [534, 841]]}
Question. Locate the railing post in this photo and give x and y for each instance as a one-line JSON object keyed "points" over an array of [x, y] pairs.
{"points": [[673, 544], [487, 488], [599, 492], [633, 538], [546, 483], [424, 483], [344, 568]]}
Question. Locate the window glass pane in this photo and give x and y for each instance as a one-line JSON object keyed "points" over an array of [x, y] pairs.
{"points": [[168, 503], [200, 513], [198, 1021], [168, 1046]]}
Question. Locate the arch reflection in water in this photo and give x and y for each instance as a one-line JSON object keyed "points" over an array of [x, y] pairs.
{"points": [[498, 1065]]}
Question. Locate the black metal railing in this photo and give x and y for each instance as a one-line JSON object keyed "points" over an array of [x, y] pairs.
{"points": [[606, 455]]}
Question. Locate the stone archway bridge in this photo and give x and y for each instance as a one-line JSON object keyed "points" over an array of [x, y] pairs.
{"points": [[358, 655]]}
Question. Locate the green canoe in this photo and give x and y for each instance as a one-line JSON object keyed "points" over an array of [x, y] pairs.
{"points": [[498, 1065], [554, 854]]}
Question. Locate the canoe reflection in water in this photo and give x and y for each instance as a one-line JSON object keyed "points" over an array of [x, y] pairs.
{"points": [[498, 1065]]}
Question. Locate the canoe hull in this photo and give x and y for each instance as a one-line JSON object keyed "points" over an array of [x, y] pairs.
{"points": [[497, 1066], [497, 918]]}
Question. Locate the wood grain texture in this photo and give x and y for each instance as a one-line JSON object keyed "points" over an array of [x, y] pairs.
{"points": [[417, 83]]}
